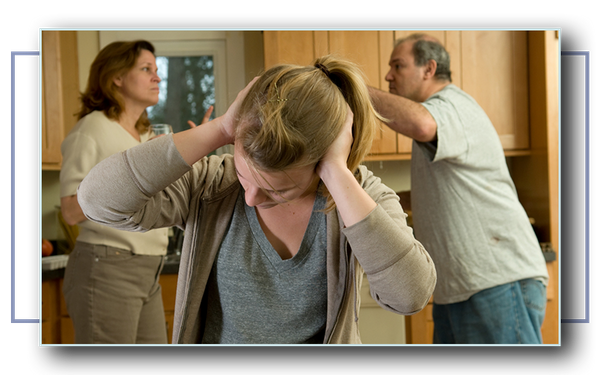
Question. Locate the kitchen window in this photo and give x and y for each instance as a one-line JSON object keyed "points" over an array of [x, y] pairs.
{"points": [[187, 90]]}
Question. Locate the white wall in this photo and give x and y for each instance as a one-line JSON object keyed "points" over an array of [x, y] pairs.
{"points": [[394, 173]]}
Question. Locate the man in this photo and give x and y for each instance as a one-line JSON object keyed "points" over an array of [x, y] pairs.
{"points": [[491, 272]]}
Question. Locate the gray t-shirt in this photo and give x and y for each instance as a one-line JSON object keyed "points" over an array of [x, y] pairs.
{"points": [[465, 206], [255, 297]]}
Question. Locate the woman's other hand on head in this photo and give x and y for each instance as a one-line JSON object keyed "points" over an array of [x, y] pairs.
{"points": [[230, 118], [338, 152]]}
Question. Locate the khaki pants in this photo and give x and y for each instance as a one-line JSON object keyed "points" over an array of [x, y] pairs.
{"points": [[113, 296]]}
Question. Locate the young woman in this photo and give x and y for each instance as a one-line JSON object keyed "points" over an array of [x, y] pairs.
{"points": [[279, 235], [111, 281]]}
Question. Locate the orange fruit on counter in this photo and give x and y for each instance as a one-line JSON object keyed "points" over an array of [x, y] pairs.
{"points": [[47, 247]]}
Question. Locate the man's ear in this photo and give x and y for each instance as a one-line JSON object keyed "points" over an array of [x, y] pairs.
{"points": [[430, 69]]}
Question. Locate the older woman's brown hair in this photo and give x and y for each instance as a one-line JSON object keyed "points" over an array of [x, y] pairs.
{"points": [[101, 93]]}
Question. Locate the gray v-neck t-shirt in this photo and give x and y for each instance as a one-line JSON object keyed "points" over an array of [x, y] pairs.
{"points": [[255, 297]]}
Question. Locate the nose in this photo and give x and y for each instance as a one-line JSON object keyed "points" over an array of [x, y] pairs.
{"points": [[255, 196], [388, 76]]}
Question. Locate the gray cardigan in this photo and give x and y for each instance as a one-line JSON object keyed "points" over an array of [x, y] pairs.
{"points": [[151, 186]]}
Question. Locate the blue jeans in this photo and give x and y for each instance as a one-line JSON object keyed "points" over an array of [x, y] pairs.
{"points": [[507, 314]]}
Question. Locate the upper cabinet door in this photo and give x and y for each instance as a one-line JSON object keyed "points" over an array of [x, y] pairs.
{"points": [[52, 104], [60, 93], [293, 47], [495, 74]]}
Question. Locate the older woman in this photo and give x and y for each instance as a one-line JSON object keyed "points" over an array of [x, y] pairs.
{"points": [[111, 281], [279, 235]]}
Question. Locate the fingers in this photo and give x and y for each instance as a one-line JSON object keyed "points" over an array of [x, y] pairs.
{"points": [[348, 124], [233, 108], [230, 118], [206, 117]]}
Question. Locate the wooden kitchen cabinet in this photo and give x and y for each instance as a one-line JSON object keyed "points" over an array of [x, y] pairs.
{"points": [[293, 47], [57, 327], [492, 66], [50, 324], [60, 93], [494, 69]]}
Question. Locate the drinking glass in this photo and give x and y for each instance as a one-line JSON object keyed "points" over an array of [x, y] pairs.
{"points": [[159, 129]]}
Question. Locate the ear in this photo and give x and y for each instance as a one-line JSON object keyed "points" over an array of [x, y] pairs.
{"points": [[430, 69], [118, 80]]}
